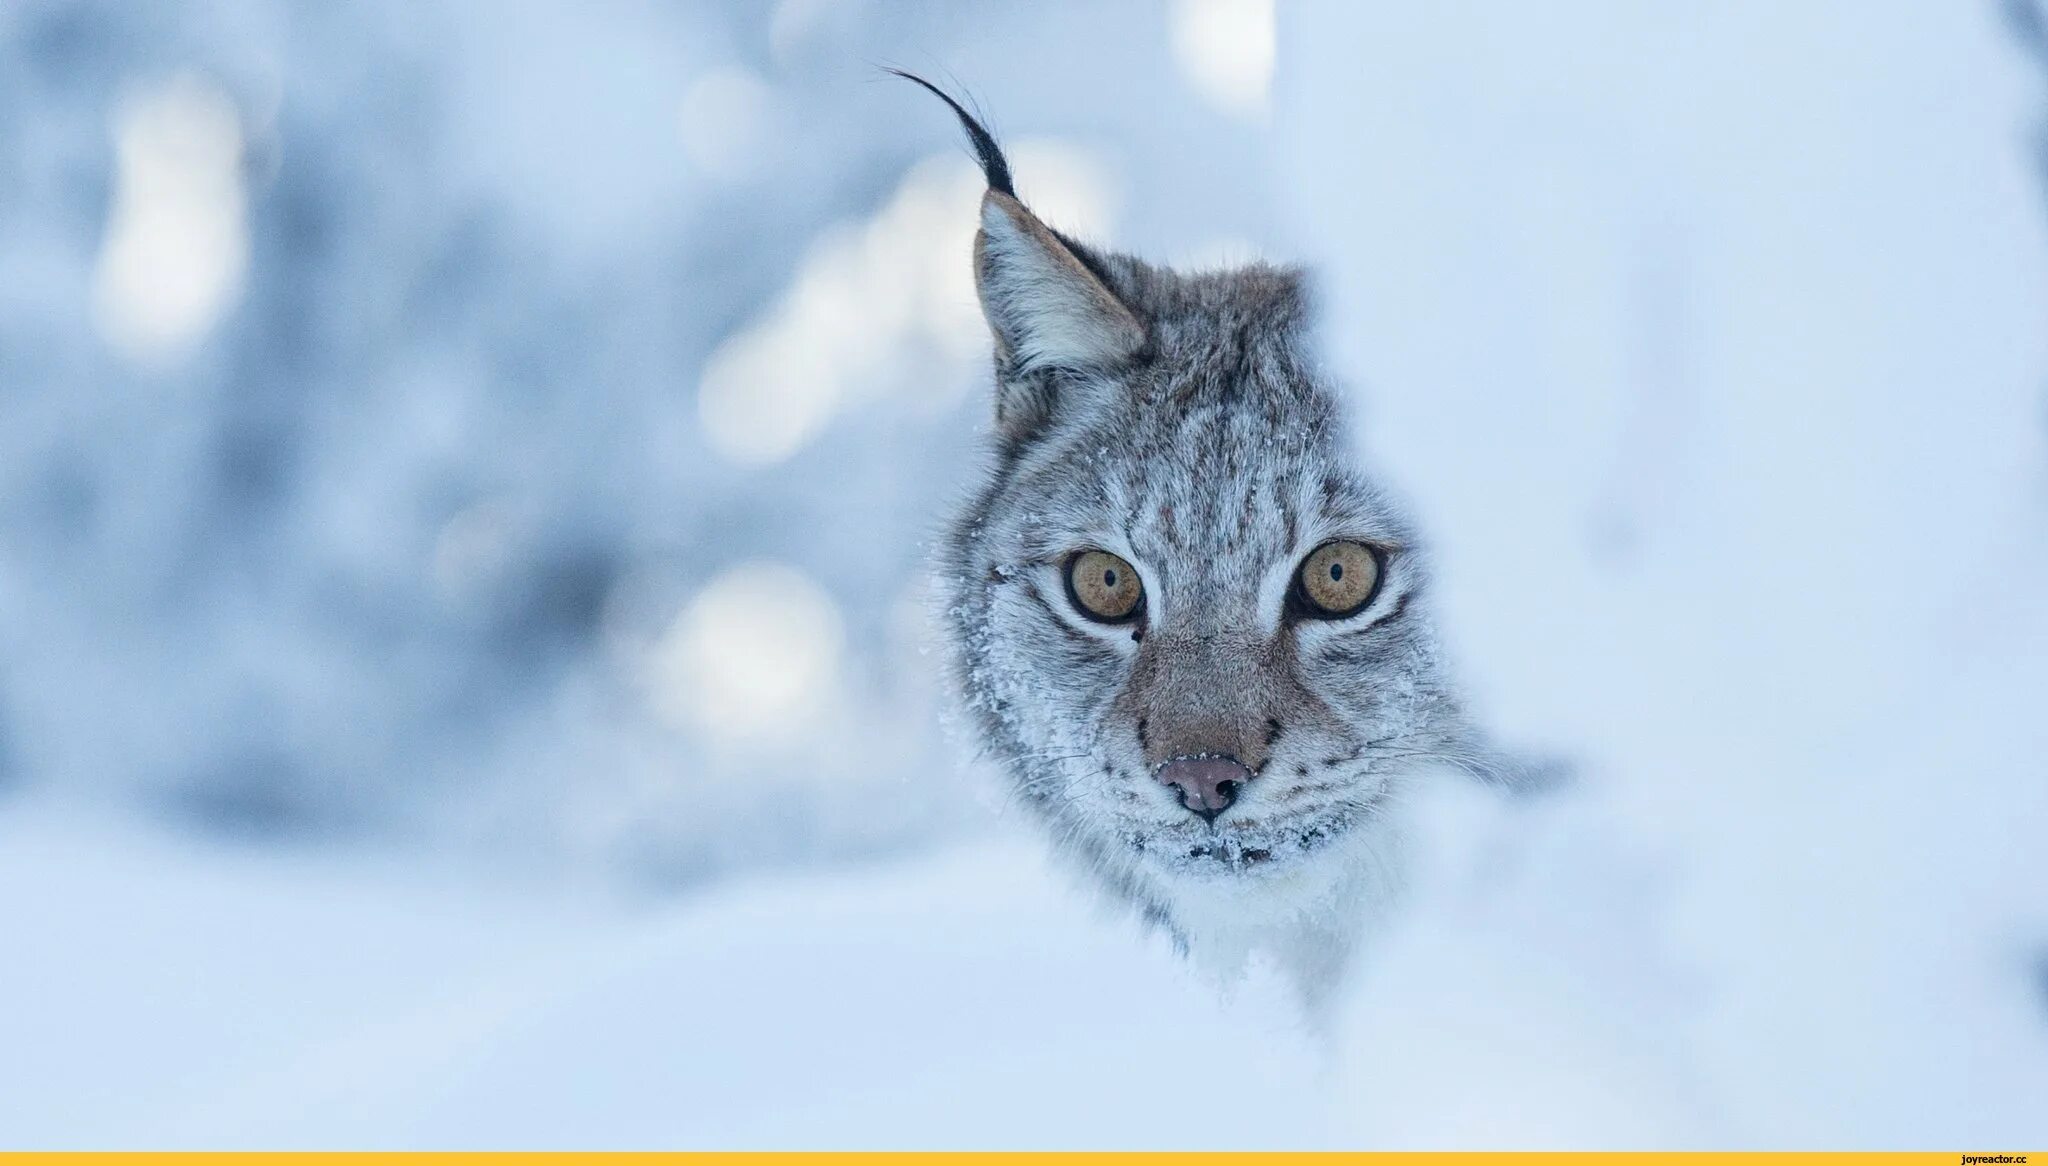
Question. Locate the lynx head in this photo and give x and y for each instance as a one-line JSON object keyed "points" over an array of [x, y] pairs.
{"points": [[1186, 624]]}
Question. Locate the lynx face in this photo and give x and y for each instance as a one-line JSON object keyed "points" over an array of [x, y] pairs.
{"points": [[1193, 629], [1190, 628]]}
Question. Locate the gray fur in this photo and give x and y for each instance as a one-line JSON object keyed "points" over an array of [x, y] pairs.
{"points": [[1207, 451]]}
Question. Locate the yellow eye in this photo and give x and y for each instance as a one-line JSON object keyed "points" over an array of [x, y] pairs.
{"points": [[1337, 579], [1103, 586]]}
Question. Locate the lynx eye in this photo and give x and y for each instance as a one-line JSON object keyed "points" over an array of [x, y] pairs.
{"points": [[1103, 586], [1337, 580]]}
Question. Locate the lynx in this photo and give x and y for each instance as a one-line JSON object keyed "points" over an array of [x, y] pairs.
{"points": [[1193, 634]]}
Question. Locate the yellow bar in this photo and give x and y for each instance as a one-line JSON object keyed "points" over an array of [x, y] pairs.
{"points": [[1020, 1158]]}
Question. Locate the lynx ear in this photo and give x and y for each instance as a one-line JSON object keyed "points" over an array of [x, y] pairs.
{"points": [[1045, 303], [1046, 308]]}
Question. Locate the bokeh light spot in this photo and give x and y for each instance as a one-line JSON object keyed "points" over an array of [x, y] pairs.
{"points": [[753, 656], [1225, 49], [881, 308], [177, 245]]}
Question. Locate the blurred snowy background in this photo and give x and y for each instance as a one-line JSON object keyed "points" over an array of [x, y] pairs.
{"points": [[466, 472]]}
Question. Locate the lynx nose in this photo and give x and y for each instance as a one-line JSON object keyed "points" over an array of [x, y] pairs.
{"points": [[1207, 782]]}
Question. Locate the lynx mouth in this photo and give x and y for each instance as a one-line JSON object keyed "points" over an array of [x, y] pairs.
{"points": [[1249, 856], [1268, 850]]}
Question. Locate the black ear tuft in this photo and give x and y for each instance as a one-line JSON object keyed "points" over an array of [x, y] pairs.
{"points": [[994, 166]]}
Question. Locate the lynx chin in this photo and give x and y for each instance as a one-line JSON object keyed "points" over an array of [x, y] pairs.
{"points": [[1190, 629]]}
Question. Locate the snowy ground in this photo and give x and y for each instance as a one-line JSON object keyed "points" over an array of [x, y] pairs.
{"points": [[184, 998], [1543, 993]]}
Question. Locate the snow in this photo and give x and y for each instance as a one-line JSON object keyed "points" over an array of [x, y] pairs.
{"points": [[1535, 995], [361, 781], [190, 998], [1733, 458]]}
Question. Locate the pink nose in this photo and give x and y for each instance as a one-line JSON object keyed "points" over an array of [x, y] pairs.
{"points": [[1207, 782]]}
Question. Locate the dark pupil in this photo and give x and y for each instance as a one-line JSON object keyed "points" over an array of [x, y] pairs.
{"points": [[1336, 570], [1109, 579]]}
